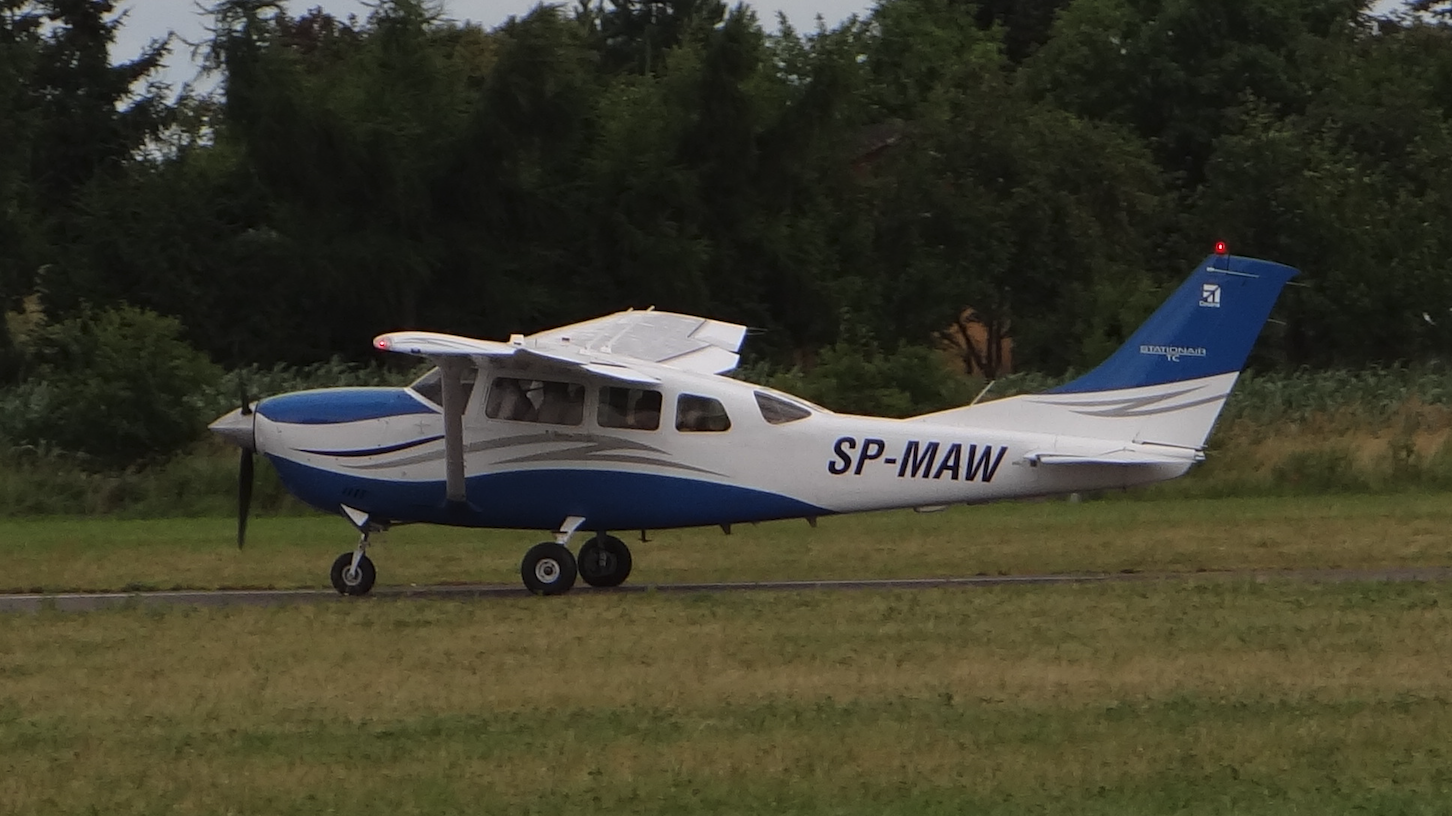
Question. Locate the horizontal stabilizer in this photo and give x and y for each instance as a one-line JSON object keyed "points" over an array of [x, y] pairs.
{"points": [[1119, 457]]}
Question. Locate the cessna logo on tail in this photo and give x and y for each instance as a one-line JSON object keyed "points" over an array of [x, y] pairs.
{"points": [[1172, 353], [1210, 295]]}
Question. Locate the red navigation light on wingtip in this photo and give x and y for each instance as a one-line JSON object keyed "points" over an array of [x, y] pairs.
{"points": [[382, 343], [1220, 248]]}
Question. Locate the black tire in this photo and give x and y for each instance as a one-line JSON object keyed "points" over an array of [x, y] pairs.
{"points": [[548, 569], [360, 583], [604, 561]]}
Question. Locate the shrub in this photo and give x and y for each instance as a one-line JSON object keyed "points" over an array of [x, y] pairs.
{"points": [[115, 388]]}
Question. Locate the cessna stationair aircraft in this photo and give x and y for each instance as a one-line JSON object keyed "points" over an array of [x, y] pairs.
{"points": [[625, 423]]}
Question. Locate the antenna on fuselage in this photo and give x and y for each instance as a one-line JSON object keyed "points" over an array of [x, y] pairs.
{"points": [[983, 393]]}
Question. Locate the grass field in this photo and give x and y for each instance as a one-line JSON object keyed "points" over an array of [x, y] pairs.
{"points": [[1215, 697], [1272, 697], [1181, 535]]}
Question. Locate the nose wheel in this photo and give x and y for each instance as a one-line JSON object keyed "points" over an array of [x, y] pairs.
{"points": [[351, 578], [353, 572]]}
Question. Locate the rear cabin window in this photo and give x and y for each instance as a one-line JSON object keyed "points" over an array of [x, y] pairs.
{"points": [[431, 386], [635, 408], [695, 414], [547, 401], [778, 411]]}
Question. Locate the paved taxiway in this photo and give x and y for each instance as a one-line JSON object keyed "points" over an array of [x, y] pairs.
{"points": [[87, 601]]}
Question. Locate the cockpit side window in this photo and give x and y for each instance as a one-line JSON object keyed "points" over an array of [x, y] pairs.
{"points": [[634, 408], [701, 414], [431, 386], [778, 411], [547, 401]]}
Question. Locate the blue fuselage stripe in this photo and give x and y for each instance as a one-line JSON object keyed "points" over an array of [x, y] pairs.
{"points": [[541, 499]]}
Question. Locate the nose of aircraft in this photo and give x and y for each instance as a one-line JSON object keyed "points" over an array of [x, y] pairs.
{"points": [[237, 427]]}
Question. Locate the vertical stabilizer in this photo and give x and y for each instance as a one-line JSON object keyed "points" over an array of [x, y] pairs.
{"points": [[1206, 327], [1167, 384]]}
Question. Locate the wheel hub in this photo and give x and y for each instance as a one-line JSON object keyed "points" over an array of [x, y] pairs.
{"points": [[547, 570]]}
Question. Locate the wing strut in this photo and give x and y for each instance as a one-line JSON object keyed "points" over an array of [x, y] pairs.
{"points": [[452, 369]]}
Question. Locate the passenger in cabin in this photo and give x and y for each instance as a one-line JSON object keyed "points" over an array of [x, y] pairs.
{"points": [[562, 404], [508, 401]]}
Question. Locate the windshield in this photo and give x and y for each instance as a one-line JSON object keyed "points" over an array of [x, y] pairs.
{"points": [[431, 386]]}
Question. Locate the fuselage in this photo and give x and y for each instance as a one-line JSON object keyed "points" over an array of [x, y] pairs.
{"points": [[694, 449]]}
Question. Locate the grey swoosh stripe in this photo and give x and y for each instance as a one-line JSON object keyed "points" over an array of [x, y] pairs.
{"points": [[1126, 402], [1130, 410], [570, 456], [583, 442]]}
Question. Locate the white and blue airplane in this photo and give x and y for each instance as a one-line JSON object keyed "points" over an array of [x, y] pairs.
{"points": [[625, 423]]}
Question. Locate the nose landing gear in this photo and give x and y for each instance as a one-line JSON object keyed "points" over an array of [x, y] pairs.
{"points": [[351, 578], [353, 572]]}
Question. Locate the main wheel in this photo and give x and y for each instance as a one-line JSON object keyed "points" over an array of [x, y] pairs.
{"points": [[548, 569], [349, 581], [604, 561]]}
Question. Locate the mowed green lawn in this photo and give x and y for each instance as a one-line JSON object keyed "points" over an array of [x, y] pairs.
{"points": [[1020, 538], [1232, 695], [1224, 697]]}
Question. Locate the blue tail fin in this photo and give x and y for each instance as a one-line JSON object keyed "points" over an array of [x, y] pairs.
{"points": [[1206, 327]]}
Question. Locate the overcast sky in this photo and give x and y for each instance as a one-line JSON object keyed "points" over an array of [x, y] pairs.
{"points": [[150, 19]]}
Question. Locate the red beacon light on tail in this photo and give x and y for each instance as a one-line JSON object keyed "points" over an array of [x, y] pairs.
{"points": [[1220, 248]]}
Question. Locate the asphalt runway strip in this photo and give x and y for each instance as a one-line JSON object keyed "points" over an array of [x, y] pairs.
{"points": [[91, 601]]}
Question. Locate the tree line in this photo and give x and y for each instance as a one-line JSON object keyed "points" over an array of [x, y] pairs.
{"points": [[1053, 164]]}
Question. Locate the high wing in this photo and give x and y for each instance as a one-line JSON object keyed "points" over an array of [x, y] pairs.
{"points": [[606, 346]]}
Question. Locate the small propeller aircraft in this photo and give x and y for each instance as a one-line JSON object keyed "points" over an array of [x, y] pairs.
{"points": [[625, 423]]}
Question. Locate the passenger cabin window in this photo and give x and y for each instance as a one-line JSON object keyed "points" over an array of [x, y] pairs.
{"points": [[431, 386], [554, 403], [778, 411], [700, 414], [635, 408]]}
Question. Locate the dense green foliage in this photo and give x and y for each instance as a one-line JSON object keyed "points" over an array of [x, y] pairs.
{"points": [[115, 387], [1053, 164]]}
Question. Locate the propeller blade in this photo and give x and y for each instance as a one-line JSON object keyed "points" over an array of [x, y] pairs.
{"points": [[242, 394], [244, 495]]}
